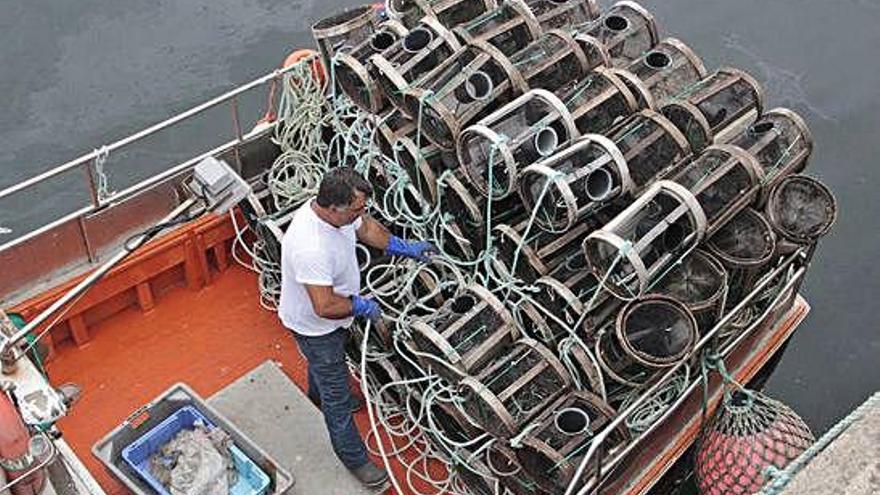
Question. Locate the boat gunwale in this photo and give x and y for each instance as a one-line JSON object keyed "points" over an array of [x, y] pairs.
{"points": [[77, 229]]}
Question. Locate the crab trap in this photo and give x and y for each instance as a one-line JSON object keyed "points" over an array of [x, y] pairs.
{"points": [[604, 207], [424, 47], [465, 335], [354, 73], [342, 32], [514, 388], [782, 143], [551, 447], [449, 13], [494, 149], [560, 14], [651, 333], [626, 30], [465, 87], [664, 71], [712, 108]]}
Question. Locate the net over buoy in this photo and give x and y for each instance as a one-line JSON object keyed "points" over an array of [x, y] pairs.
{"points": [[748, 433]]}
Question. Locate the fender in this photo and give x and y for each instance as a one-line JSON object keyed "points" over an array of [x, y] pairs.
{"points": [[15, 456]]}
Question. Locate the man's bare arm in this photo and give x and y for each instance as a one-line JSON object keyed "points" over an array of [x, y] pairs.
{"points": [[328, 304], [373, 233]]}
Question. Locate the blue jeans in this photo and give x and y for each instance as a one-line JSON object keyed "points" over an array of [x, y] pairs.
{"points": [[328, 381]]}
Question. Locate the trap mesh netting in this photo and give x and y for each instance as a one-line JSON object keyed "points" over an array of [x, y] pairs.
{"points": [[801, 208]]}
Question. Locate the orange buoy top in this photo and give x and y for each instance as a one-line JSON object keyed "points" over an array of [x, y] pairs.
{"points": [[295, 57]]}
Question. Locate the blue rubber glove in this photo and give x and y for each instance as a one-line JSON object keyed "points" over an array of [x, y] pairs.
{"points": [[361, 307], [417, 250]]}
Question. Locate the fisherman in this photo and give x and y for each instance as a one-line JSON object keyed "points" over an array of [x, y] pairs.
{"points": [[320, 286]]}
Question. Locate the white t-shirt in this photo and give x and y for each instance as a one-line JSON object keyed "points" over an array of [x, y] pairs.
{"points": [[316, 253]]}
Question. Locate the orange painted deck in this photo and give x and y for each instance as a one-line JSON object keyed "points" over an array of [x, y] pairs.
{"points": [[175, 311], [206, 339]]}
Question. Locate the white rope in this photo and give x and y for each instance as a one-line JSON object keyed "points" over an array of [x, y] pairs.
{"points": [[404, 427], [102, 182]]}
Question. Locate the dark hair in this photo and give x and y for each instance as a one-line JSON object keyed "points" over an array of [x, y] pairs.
{"points": [[339, 185]]}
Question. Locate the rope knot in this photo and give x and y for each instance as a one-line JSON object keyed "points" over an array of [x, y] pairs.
{"points": [[712, 359], [773, 472], [502, 139], [556, 174]]}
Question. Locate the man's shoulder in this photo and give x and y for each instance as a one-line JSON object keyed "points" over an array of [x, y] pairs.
{"points": [[301, 225], [303, 239]]}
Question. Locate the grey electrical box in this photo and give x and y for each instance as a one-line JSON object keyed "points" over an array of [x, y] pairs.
{"points": [[219, 185]]}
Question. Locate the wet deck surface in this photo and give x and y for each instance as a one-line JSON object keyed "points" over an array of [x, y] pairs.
{"points": [[850, 465], [207, 339]]}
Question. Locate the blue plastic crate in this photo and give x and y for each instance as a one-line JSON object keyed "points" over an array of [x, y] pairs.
{"points": [[251, 479]]}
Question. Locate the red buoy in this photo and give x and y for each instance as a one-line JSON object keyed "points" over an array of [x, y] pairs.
{"points": [[318, 73], [15, 455], [748, 433]]}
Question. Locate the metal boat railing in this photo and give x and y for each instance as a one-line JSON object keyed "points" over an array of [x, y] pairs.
{"points": [[792, 269], [72, 226], [87, 159]]}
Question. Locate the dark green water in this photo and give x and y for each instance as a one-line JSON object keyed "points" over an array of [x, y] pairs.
{"points": [[75, 75]]}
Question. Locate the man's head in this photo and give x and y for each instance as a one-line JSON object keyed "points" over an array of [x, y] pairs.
{"points": [[343, 195]]}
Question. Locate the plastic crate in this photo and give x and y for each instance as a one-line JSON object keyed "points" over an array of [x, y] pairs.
{"points": [[149, 417], [251, 479]]}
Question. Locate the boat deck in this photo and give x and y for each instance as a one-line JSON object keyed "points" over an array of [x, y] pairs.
{"points": [[180, 312], [206, 338]]}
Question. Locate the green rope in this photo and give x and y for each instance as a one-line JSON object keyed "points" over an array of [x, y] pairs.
{"points": [[528, 228], [779, 478], [31, 340], [574, 97]]}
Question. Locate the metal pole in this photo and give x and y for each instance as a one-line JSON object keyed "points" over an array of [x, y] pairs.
{"points": [[81, 287], [237, 127], [90, 180]]}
